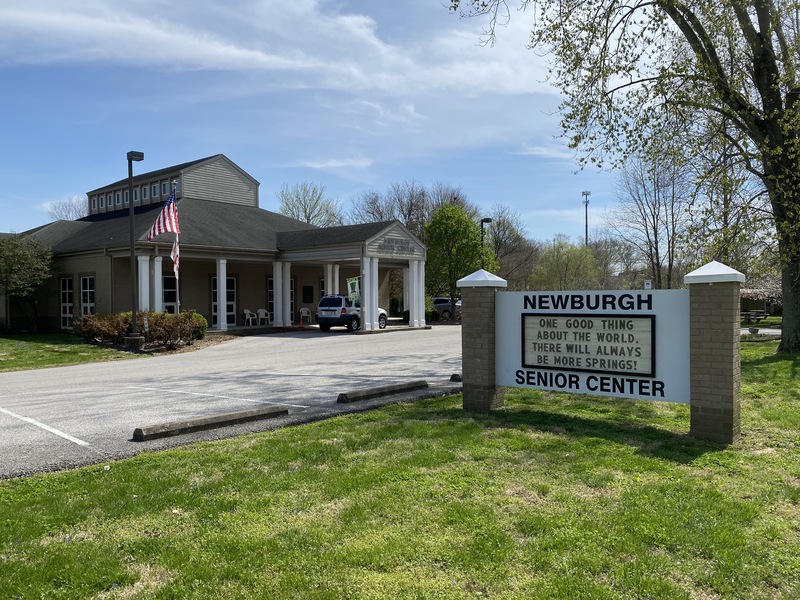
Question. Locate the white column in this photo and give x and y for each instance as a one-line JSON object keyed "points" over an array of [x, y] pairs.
{"points": [[277, 293], [158, 285], [144, 282], [406, 305], [421, 269], [222, 294], [374, 293], [413, 305], [366, 290], [335, 288], [287, 294], [329, 279]]}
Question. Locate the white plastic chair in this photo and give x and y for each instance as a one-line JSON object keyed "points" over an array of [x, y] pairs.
{"points": [[249, 317], [305, 315], [263, 314]]}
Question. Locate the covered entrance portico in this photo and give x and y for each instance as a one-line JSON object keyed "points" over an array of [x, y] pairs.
{"points": [[367, 251], [223, 282]]}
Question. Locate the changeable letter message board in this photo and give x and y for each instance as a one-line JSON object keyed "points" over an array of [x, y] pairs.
{"points": [[598, 343], [631, 344]]}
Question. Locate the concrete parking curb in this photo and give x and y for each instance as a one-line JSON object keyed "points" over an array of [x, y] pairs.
{"points": [[153, 432], [384, 390]]}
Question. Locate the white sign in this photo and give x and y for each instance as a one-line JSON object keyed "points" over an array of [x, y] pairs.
{"points": [[624, 344]]}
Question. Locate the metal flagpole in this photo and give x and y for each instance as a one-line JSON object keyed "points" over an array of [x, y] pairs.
{"points": [[175, 255], [176, 267]]}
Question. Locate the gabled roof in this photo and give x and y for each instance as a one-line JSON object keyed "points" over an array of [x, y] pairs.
{"points": [[161, 173], [345, 234]]}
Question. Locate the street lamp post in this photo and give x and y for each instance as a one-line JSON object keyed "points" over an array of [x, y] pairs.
{"points": [[484, 221], [135, 338], [586, 194]]}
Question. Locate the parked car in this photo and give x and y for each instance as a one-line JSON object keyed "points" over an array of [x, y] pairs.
{"points": [[444, 307], [339, 311]]}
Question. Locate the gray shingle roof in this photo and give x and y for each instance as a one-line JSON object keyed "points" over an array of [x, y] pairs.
{"points": [[346, 234], [203, 223]]}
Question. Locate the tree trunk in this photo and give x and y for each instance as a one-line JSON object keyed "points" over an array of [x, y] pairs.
{"points": [[790, 282]]}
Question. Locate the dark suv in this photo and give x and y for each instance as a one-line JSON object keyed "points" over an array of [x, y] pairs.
{"points": [[338, 310], [445, 308]]}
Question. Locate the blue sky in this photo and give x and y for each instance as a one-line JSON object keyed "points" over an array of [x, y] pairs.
{"points": [[353, 95]]}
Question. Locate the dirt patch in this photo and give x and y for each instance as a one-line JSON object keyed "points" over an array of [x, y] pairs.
{"points": [[206, 342]]}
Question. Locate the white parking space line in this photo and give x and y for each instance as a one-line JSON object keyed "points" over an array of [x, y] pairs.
{"points": [[41, 425], [174, 391]]}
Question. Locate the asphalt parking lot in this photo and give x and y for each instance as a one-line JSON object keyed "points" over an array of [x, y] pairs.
{"points": [[65, 417]]}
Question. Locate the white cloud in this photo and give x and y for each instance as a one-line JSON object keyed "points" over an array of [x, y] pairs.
{"points": [[335, 164], [309, 39]]}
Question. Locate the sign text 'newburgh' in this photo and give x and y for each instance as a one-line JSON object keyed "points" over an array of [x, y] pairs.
{"points": [[591, 301]]}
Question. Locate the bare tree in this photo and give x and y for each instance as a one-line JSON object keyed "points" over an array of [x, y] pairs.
{"points": [[371, 207], [411, 205], [514, 252], [306, 202], [651, 216], [69, 209], [614, 259]]}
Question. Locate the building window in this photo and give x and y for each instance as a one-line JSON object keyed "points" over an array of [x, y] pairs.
{"points": [[154, 189], [136, 194], [94, 202], [170, 294], [145, 189], [67, 302], [165, 188], [102, 202], [177, 185], [87, 295], [119, 198], [230, 301]]}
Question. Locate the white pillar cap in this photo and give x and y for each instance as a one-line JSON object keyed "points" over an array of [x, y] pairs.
{"points": [[481, 278], [713, 272]]}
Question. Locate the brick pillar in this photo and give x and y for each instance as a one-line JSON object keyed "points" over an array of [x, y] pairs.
{"points": [[714, 339], [478, 292]]}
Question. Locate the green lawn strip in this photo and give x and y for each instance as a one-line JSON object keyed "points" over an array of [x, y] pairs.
{"points": [[36, 351], [553, 496]]}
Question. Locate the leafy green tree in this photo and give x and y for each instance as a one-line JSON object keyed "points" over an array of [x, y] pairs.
{"points": [[454, 250], [565, 266], [306, 202], [25, 264], [622, 66]]}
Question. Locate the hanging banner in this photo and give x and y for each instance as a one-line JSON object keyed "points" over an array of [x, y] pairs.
{"points": [[354, 288]]}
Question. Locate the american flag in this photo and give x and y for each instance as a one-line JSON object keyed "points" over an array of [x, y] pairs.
{"points": [[167, 219]]}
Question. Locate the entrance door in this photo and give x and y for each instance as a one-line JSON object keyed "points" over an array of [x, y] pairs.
{"points": [[230, 301]]}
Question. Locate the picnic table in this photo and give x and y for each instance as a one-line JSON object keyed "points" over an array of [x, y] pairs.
{"points": [[752, 316]]}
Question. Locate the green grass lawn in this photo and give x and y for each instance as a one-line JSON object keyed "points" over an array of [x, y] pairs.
{"points": [[553, 496], [38, 350]]}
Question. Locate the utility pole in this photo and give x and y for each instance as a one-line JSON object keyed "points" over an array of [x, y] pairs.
{"points": [[586, 194]]}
